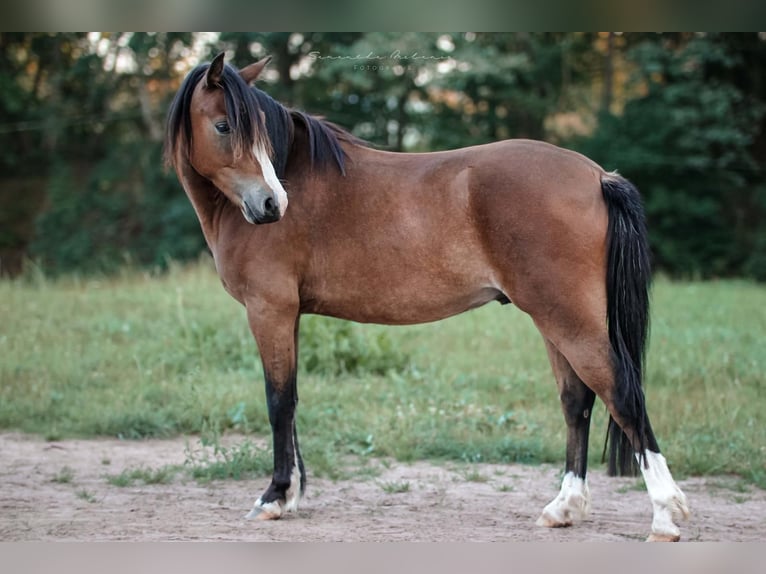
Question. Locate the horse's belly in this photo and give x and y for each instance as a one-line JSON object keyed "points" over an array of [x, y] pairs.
{"points": [[375, 306], [410, 268]]}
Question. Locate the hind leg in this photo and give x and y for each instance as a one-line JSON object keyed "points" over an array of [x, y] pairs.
{"points": [[593, 364], [573, 501], [589, 354], [668, 501]]}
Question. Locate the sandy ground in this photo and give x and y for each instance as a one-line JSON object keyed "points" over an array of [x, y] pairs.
{"points": [[442, 503]]}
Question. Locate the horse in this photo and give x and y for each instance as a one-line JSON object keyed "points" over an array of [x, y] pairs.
{"points": [[375, 236]]}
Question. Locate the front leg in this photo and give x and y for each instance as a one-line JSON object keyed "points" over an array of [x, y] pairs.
{"points": [[276, 333]]}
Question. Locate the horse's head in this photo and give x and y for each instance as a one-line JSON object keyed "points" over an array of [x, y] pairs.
{"points": [[226, 139]]}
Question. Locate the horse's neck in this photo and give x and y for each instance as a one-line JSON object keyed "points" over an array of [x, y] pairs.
{"points": [[208, 202]]}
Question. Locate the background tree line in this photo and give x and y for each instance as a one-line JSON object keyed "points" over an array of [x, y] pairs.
{"points": [[83, 187]]}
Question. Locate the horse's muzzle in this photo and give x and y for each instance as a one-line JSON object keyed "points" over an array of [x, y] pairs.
{"points": [[266, 211]]}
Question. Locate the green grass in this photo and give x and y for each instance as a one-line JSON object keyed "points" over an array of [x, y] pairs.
{"points": [[140, 356], [86, 495], [64, 476], [395, 487], [212, 461], [128, 477], [473, 475]]}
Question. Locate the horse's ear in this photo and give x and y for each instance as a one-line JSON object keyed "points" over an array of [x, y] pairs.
{"points": [[250, 73], [215, 71]]}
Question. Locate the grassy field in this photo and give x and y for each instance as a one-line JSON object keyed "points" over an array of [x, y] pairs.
{"points": [[143, 356]]}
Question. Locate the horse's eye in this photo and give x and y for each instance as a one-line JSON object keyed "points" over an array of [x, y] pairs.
{"points": [[222, 127]]}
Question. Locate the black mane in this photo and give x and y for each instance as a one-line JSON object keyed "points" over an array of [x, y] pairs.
{"points": [[244, 105]]}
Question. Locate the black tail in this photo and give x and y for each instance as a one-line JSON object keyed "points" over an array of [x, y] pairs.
{"points": [[628, 278]]}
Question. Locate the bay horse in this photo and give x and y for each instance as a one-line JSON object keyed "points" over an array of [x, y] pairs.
{"points": [[401, 238]]}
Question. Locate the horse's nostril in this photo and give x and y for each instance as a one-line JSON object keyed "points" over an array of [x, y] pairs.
{"points": [[269, 206]]}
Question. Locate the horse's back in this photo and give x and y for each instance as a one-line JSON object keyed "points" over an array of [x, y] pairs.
{"points": [[540, 166]]}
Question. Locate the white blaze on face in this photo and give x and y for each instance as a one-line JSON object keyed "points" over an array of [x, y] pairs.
{"points": [[267, 168], [668, 502]]}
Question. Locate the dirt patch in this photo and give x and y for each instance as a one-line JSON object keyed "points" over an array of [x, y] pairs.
{"points": [[40, 499]]}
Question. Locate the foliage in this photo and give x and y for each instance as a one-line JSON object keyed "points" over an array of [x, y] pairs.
{"points": [[101, 223], [688, 143], [128, 477], [214, 461], [502, 86], [335, 347]]}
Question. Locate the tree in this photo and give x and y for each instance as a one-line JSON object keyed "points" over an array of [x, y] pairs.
{"points": [[688, 142], [504, 86], [107, 196]]}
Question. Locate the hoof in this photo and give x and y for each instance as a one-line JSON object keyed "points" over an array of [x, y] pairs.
{"points": [[570, 506], [548, 521], [663, 537], [265, 511], [666, 517]]}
